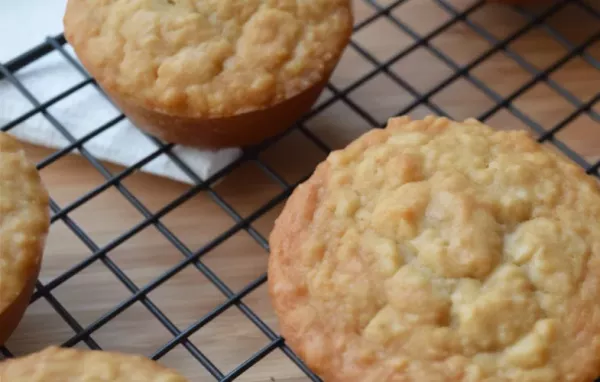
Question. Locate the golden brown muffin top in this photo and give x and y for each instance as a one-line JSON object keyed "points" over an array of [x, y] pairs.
{"points": [[55, 364], [24, 220], [441, 251], [208, 58]]}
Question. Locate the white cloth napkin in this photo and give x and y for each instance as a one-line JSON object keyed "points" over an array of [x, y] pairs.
{"points": [[27, 23]]}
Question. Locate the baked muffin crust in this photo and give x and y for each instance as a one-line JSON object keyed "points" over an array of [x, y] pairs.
{"points": [[441, 251], [55, 364], [208, 58], [24, 222]]}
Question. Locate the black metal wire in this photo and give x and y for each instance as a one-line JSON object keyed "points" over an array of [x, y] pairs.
{"points": [[523, 62], [44, 105], [93, 247], [240, 223]]}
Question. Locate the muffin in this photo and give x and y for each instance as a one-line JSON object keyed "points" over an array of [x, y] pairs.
{"points": [[56, 364], [434, 250], [210, 73], [24, 224]]}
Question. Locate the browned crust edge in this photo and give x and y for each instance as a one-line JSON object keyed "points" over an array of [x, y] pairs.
{"points": [[239, 130], [284, 241], [287, 237], [49, 353], [12, 315]]}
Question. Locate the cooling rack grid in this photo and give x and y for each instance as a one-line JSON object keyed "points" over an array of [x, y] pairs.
{"points": [[204, 307]]}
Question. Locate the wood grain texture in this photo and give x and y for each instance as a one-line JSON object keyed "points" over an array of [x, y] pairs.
{"points": [[188, 296]]}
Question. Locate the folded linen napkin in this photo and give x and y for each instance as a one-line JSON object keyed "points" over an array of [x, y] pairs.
{"points": [[27, 23]]}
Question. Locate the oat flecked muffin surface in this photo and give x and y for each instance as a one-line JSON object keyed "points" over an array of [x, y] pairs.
{"points": [[435, 250], [56, 364], [24, 224], [210, 72]]}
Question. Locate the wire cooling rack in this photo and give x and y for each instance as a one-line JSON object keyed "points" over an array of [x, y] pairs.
{"points": [[534, 45]]}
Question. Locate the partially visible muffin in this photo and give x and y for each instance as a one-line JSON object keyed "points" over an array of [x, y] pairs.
{"points": [[56, 364], [24, 224], [435, 250], [210, 73]]}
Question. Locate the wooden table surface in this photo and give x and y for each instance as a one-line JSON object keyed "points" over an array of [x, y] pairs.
{"points": [[231, 338]]}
